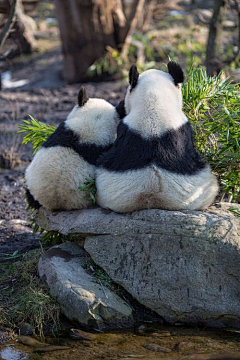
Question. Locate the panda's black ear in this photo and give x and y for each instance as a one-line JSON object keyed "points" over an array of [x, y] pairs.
{"points": [[133, 76], [176, 72], [120, 108], [82, 96]]}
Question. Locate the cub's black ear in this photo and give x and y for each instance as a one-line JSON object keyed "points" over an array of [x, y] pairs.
{"points": [[176, 72], [82, 96], [133, 76], [120, 108]]}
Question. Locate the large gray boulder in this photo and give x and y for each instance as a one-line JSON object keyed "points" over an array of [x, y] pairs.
{"points": [[83, 299], [184, 265]]}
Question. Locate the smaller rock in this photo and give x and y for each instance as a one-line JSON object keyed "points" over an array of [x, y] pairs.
{"points": [[156, 348], [82, 297]]}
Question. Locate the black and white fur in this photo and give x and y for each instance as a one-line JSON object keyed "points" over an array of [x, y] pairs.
{"points": [[153, 162], [70, 154]]}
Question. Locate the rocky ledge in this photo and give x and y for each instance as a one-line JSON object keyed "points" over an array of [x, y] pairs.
{"points": [[184, 265]]}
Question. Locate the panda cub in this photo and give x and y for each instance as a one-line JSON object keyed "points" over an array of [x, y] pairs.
{"points": [[69, 155], [153, 162]]}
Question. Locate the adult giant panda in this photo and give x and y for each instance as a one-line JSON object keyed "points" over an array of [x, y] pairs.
{"points": [[69, 155], [153, 162]]}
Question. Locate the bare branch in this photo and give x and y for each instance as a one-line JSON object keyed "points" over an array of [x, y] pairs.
{"points": [[118, 14], [151, 5], [134, 16]]}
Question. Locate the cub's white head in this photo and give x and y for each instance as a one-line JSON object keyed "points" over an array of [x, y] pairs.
{"points": [[94, 120]]}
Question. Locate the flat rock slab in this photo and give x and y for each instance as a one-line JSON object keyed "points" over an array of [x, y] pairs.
{"points": [[184, 265], [82, 298]]}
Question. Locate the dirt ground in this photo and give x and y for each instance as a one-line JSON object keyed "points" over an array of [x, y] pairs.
{"points": [[47, 98]]}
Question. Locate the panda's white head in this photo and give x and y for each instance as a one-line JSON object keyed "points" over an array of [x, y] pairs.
{"points": [[94, 120], [154, 100]]}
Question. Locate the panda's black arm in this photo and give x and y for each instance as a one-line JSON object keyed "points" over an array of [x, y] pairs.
{"points": [[34, 204], [120, 108]]}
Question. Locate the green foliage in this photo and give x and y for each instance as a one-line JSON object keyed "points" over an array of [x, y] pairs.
{"points": [[111, 63], [89, 188], [193, 51], [7, 260], [99, 274], [234, 211], [37, 132], [213, 107], [25, 298]]}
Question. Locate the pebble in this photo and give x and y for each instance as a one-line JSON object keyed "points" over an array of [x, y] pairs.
{"points": [[156, 348], [184, 345], [77, 334], [29, 341], [161, 334], [140, 330], [25, 329]]}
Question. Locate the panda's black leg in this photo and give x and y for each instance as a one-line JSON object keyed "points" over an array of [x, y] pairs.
{"points": [[34, 204]]}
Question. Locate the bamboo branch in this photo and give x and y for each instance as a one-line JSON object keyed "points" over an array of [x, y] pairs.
{"points": [[9, 24]]}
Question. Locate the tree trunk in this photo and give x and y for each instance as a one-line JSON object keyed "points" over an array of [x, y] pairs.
{"points": [[213, 44], [86, 27], [23, 34], [150, 7], [23, 26], [9, 24]]}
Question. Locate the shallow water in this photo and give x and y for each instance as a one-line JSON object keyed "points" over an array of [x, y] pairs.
{"points": [[145, 343], [11, 353]]}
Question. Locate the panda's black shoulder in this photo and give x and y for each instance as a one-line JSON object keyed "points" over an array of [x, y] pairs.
{"points": [[66, 138], [129, 151], [173, 151], [61, 137], [176, 151]]}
